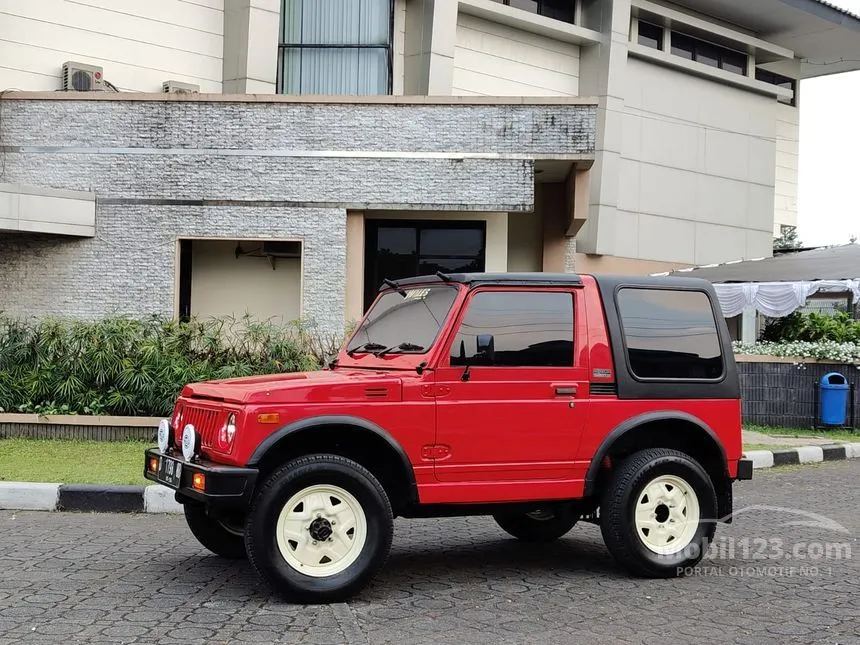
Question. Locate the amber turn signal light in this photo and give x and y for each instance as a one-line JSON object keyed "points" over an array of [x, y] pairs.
{"points": [[272, 417], [198, 481], [153, 464]]}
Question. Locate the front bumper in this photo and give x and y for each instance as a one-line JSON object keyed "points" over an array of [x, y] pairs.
{"points": [[225, 486]]}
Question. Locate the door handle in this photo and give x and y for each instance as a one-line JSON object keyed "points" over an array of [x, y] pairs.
{"points": [[567, 390]]}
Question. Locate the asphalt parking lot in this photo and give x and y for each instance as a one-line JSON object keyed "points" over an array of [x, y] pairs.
{"points": [[787, 571]]}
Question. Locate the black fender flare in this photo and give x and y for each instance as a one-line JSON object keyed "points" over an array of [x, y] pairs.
{"points": [[630, 425], [358, 423]]}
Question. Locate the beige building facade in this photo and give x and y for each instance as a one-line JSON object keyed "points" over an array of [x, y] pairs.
{"points": [[696, 152]]}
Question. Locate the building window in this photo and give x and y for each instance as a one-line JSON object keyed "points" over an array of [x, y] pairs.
{"points": [[708, 53], [564, 10], [529, 329], [779, 80], [335, 47], [670, 334], [650, 35], [397, 249]]}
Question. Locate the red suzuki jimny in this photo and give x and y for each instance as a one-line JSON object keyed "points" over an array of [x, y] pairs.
{"points": [[539, 399]]}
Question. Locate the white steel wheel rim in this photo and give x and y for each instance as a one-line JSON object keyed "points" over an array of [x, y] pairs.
{"points": [[321, 530], [667, 515]]}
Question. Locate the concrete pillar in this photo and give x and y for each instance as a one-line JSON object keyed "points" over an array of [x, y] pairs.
{"points": [[603, 70], [431, 30], [251, 29], [354, 265], [748, 325]]}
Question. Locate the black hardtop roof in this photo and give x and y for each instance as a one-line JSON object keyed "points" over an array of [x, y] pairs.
{"points": [[538, 278]]}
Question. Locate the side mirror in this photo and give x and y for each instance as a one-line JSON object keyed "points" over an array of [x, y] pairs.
{"points": [[486, 347]]}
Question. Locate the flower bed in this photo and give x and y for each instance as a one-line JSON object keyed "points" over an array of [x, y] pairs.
{"points": [[826, 350]]}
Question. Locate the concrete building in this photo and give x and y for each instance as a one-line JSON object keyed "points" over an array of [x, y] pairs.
{"points": [[591, 135]]}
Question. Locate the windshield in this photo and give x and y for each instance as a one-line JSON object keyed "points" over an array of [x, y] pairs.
{"points": [[404, 323]]}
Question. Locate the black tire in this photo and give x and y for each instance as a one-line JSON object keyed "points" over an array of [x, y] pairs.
{"points": [[218, 537], [261, 538], [618, 505], [539, 526]]}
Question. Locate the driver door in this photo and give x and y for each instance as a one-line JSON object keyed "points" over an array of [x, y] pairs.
{"points": [[519, 415]]}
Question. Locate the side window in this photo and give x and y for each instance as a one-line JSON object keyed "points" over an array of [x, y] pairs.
{"points": [[528, 329], [670, 334]]}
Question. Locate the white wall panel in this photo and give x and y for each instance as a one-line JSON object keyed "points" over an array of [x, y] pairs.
{"points": [[698, 167], [139, 44], [493, 59]]}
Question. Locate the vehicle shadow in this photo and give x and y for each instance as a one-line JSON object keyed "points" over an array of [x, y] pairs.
{"points": [[474, 564]]}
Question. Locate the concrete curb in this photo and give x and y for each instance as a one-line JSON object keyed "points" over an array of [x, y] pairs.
{"points": [[87, 498], [803, 455]]}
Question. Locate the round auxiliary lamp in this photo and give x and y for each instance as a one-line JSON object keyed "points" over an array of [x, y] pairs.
{"points": [[163, 435], [190, 442]]}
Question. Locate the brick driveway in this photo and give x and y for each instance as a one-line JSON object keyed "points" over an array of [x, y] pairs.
{"points": [[69, 578]]}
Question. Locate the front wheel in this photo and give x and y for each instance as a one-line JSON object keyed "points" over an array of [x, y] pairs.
{"points": [[543, 525], [319, 529], [658, 513]]}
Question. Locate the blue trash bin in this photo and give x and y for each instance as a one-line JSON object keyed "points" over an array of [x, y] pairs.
{"points": [[834, 398]]}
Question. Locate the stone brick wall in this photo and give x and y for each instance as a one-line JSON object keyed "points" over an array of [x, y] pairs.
{"points": [[129, 267], [167, 169], [783, 394]]}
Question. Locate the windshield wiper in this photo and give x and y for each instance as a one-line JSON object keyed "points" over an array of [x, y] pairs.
{"points": [[366, 347], [403, 347]]}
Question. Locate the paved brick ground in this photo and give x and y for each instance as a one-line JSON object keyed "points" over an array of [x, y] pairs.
{"points": [[70, 578]]}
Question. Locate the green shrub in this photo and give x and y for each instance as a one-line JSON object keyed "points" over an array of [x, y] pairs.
{"points": [[812, 327], [126, 366]]}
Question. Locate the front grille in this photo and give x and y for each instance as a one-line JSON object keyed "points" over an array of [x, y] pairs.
{"points": [[205, 420], [604, 388]]}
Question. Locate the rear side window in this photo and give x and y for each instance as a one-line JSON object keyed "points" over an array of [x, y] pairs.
{"points": [[529, 329], [670, 334]]}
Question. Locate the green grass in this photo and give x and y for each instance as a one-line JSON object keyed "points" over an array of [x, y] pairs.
{"points": [[836, 435], [764, 446], [72, 462]]}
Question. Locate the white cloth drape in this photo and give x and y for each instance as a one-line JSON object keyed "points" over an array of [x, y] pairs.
{"points": [[776, 299]]}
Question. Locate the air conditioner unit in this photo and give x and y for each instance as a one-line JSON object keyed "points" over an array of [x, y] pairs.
{"points": [[178, 87], [80, 77]]}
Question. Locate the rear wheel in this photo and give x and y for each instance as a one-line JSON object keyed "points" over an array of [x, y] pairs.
{"points": [[319, 529], [219, 536], [658, 513], [543, 525]]}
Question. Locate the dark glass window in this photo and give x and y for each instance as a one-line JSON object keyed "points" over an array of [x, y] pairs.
{"points": [[733, 61], [529, 329], [404, 249], [779, 80], [650, 35], [708, 53], [670, 334], [683, 46], [564, 10]]}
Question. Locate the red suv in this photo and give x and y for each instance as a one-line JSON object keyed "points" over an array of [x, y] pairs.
{"points": [[538, 399]]}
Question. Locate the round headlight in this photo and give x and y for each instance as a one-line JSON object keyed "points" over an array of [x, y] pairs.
{"points": [[189, 442], [163, 435]]}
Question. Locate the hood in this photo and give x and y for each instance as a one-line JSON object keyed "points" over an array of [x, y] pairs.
{"points": [[339, 385]]}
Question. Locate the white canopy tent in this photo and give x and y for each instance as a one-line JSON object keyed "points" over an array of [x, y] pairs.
{"points": [[779, 285]]}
